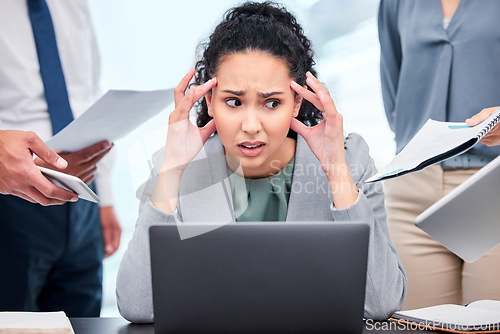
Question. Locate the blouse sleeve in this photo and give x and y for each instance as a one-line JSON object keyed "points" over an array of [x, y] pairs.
{"points": [[386, 280], [133, 284], [390, 55]]}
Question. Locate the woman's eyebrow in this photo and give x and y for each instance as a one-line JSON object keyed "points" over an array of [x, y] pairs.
{"points": [[234, 92], [266, 95]]}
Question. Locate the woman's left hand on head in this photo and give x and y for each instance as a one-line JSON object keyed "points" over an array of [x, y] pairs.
{"points": [[326, 139]]}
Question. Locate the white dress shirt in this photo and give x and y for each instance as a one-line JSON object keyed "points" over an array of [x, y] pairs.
{"points": [[22, 100]]}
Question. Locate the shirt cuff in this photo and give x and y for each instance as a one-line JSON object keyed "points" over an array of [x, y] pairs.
{"points": [[332, 206], [157, 216], [103, 180], [359, 211]]}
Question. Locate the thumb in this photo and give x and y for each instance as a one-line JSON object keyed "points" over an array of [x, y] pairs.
{"points": [[45, 153], [207, 130], [474, 120], [481, 116], [299, 127]]}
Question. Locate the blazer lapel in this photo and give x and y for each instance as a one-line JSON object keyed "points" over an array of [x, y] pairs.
{"points": [[310, 197], [205, 192]]}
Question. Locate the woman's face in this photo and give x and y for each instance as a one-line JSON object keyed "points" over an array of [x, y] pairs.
{"points": [[252, 106]]}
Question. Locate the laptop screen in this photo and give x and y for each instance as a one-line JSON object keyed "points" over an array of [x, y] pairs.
{"points": [[260, 277]]}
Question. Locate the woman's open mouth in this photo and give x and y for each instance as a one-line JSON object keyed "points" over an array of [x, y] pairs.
{"points": [[251, 149]]}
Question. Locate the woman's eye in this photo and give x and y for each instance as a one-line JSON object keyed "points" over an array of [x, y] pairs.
{"points": [[272, 104], [233, 102]]}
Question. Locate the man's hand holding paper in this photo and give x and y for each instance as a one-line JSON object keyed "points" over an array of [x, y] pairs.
{"points": [[87, 139], [82, 163]]}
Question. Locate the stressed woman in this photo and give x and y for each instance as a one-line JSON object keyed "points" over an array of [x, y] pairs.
{"points": [[278, 154]]}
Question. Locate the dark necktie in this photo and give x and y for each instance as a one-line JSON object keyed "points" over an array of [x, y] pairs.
{"points": [[50, 65]]}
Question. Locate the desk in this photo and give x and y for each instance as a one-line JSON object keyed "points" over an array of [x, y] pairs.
{"points": [[122, 326]]}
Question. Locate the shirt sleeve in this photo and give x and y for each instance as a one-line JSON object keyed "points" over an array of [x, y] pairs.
{"points": [[390, 55], [134, 292], [386, 282], [103, 180]]}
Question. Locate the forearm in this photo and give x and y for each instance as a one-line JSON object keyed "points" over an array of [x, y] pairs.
{"points": [[165, 194], [386, 280], [342, 186]]}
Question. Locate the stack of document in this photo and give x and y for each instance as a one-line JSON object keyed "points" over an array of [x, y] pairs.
{"points": [[35, 322]]}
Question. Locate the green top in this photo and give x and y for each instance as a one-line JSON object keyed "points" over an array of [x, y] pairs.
{"points": [[263, 199]]}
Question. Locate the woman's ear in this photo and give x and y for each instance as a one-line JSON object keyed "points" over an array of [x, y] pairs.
{"points": [[297, 105], [208, 98]]}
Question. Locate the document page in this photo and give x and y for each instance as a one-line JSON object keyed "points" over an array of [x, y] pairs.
{"points": [[453, 314], [35, 322], [490, 305], [434, 142], [113, 116]]}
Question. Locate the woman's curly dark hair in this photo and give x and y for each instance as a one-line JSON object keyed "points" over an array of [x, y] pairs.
{"points": [[266, 27]]}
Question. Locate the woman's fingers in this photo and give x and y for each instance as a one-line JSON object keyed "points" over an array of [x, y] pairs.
{"points": [[307, 94], [320, 97], [201, 90], [180, 90], [182, 109], [207, 130], [299, 127], [315, 84], [329, 109]]}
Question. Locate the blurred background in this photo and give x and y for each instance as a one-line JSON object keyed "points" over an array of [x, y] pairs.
{"points": [[151, 44]]}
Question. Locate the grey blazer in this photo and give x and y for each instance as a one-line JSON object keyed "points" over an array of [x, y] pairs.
{"points": [[205, 182]]}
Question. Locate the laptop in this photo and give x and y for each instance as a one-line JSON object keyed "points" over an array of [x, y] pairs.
{"points": [[467, 220], [265, 277]]}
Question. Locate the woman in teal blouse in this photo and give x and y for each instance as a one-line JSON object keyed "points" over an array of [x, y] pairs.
{"points": [[279, 154]]}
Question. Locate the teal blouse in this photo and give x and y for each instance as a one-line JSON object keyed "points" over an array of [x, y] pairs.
{"points": [[263, 199]]}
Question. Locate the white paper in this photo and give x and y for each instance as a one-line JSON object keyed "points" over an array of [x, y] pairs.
{"points": [[114, 115], [36, 320], [455, 314], [490, 305], [433, 139]]}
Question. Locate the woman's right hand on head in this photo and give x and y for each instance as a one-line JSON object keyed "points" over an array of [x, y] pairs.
{"points": [[184, 139], [184, 142]]}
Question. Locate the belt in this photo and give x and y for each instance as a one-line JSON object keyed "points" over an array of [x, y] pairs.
{"points": [[465, 161]]}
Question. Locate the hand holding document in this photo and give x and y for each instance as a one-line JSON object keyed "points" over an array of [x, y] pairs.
{"points": [[435, 142], [113, 116], [492, 138], [71, 183]]}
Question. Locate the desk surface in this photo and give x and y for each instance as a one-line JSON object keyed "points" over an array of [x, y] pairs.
{"points": [[122, 326]]}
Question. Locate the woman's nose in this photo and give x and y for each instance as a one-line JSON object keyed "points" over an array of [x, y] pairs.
{"points": [[251, 123]]}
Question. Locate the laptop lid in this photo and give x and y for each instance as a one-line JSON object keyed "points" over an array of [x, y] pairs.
{"points": [[467, 220], [260, 277]]}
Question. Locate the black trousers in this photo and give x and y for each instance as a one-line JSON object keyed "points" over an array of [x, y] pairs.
{"points": [[50, 257]]}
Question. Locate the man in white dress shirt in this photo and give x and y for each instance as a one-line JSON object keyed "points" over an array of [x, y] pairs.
{"points": [[51, 255]]}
